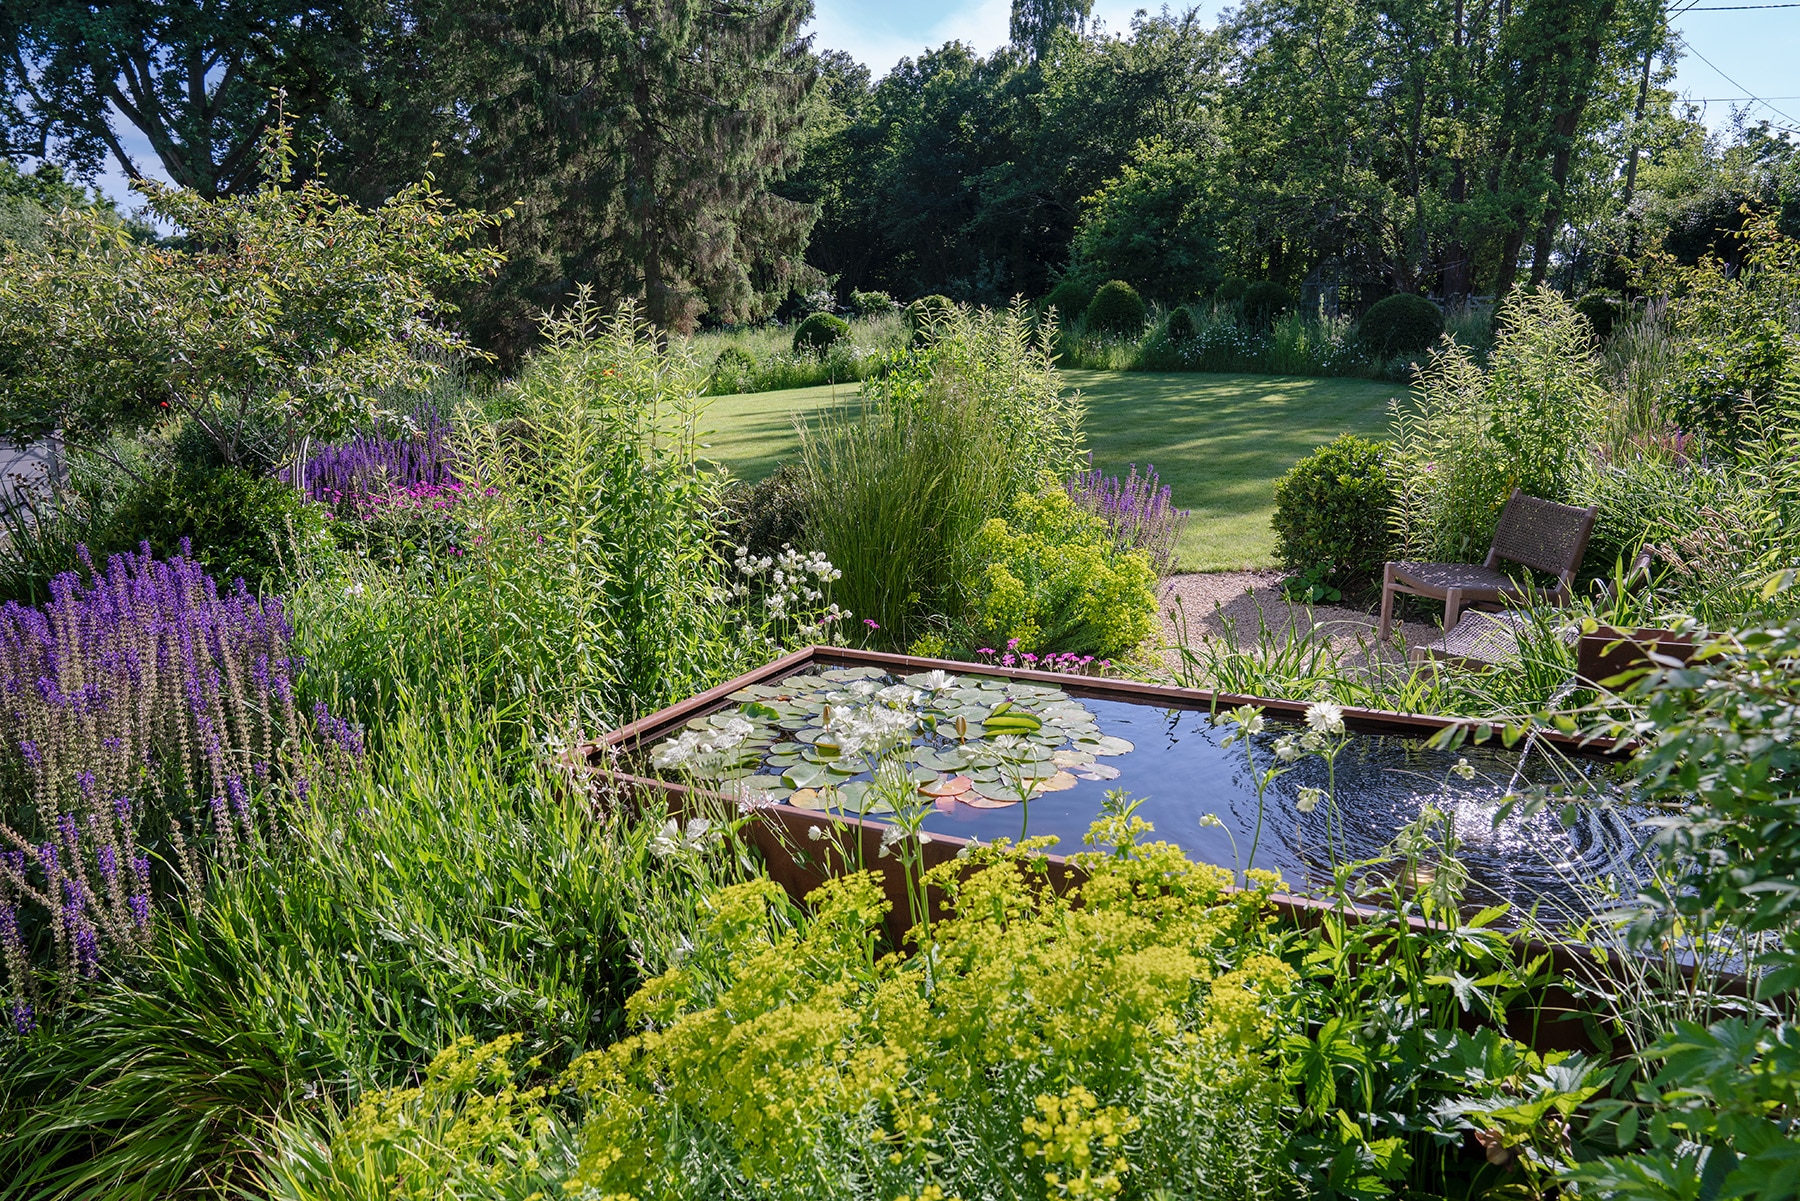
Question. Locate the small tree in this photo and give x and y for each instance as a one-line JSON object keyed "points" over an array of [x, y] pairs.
{"points": [[270, 317]]}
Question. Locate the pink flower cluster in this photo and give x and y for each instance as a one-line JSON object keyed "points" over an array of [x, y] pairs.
{"points": [[1067, 663]]}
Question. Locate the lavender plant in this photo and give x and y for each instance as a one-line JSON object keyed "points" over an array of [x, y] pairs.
{"points": [[141, 714], [1137, 511]]}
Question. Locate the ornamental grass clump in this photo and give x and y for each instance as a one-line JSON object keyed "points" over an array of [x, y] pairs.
{"points": [[141, 712]]}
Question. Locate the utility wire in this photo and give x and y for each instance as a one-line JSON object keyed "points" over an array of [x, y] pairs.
{"points": [[1734, 83], [1732, 8]]}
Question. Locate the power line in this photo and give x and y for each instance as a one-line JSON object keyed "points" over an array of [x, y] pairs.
{"points": [[1732, 8], [1734, 83]]}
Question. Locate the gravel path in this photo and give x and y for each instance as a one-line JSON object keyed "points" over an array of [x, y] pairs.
{"points": [[1213, 602]]}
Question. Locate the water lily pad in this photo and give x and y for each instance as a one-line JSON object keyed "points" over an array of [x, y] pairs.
{"points": [[1072, 758], [991, 796], [784, 761], [773, 785], [1062, 781], [947, 786], [807, 798], [1098, 771], [809, 735], [806, 775], [1105, 745]]}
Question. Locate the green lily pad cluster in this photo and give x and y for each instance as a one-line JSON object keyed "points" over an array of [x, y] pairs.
{"points": [[857, 739]]}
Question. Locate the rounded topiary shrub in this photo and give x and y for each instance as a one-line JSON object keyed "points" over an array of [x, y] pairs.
{"points": [[1231, 289], [1180, 326], [1116, 309], [1264, 301], [1332, 510], [1069, 297], [1601, 311], [927, 312], [732, 368], [819, 333], [1402, 324], [765, 516]]}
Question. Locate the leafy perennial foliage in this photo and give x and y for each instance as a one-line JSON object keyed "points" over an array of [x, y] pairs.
{"points": [[1111, 1041], [1051, 576]]}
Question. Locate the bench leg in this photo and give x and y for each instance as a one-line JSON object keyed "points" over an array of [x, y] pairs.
{"points": [[1452, 608], [1387, 602]]}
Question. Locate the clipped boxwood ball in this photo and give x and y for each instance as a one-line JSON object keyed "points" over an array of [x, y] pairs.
{"points": [[927, 312], [1231, 289], [819, 333], [1116, 309], [1181, 325], [1402, 324], [1601, 311], [1332, 512], [1069, 298], [1264, 301]]}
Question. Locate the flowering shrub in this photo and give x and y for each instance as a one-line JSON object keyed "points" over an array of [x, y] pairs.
{"points": [[140, 712], [1137, 511], [1108, 1041], [1051, 577]]}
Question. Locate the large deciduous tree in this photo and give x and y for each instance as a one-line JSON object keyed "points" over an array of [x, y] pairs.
{"points": [[193, 78]]}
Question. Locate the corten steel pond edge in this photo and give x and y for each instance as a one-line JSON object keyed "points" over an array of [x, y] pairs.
{"points": [[799, 864]]}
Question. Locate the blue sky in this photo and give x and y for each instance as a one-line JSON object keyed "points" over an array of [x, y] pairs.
{"points": [[1735, 56]]}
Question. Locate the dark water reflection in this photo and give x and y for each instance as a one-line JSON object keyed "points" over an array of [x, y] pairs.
{"points": [[1383, 782]]}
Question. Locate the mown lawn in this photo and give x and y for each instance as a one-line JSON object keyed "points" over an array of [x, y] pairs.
{"points": [[1220, 441]]}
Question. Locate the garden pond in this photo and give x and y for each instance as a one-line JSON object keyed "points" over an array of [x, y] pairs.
{"points": [[980, 757]]}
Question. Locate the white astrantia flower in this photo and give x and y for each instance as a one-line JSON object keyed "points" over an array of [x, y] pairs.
{"points": [[1308, 799], [1247, 717], [1210, 819], [1325, 717], [815, 832], [1286, 749], [1464, 769]]}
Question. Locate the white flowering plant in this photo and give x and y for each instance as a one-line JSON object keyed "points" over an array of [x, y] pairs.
{"points": [[786, 597]]}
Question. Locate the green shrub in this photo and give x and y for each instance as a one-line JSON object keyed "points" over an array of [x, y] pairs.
{"points": [[731, 370], [1116, 309], [926, 314], [1333, 511], [238, 524], [1401, 324], [1231, 289], [765, 516], [1049, 575], [1264, 301], [786, 1061], [871, 304], [1069, 297], [819, 333], [896, 491], [1602, 312], [1180, 326]]}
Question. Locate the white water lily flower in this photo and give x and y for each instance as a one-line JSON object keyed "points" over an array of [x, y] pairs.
{"points": [[1308, 799], [676, 752], [898, 695], [937, 680], [1325, 717], [1464, 769], [734, 731], [861, 688]]}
